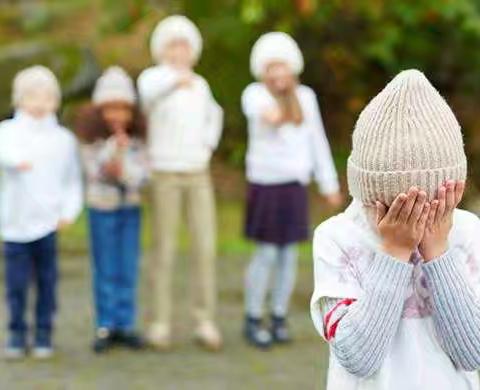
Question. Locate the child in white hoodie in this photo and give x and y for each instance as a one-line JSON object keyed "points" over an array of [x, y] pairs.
{"points": [[41, 192], [184, 125]]}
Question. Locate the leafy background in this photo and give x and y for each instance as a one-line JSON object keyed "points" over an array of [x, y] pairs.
{"points": [[352, 47]]}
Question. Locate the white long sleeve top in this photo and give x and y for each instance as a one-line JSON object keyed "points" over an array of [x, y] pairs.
{"points": [[277, 155], [32, 202], [184, 124]]}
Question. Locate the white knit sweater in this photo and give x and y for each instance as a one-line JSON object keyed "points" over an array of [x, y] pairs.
{"points": [[184, 124], [33, 202], [288, 153]]}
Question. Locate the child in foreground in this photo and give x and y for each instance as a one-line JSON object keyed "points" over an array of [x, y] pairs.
{"points": [[286, 147], [116, 168], [41, 192], [397, 274]]}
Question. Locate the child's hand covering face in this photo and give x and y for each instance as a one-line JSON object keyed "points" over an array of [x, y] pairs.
{"points": [[402, 226], [440, 220]]}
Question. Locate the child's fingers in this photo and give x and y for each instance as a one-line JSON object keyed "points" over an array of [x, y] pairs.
{"points": [[417, 209], [381, 211], [422, 221], [396, 206], [441, 204], [459, 189], [408, 206], [450, 196], [432, 212]]}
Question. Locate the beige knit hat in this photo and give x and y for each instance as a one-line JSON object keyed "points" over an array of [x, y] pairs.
{"points": [[114, 85], [34, 77], [406, 136]]}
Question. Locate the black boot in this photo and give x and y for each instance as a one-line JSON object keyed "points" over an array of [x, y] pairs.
{"points": [[279, 329], [129, 339], [255, 334], [104, 340]]}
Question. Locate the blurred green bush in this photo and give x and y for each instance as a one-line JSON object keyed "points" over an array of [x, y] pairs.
{"points": [[351, 47]]}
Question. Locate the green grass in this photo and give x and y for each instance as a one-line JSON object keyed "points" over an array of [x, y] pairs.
{"points": [[231, 241]]}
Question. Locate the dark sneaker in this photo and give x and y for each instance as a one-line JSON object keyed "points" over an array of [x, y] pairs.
{"points": [[104, 340], [279, 329], [43, 348], [129, 339], [256, 334], [16, 347]]}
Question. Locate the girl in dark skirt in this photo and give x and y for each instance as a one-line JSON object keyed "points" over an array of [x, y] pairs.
{"points": [[286, 146]]}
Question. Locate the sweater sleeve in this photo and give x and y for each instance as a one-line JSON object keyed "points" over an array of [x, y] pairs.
{"points": [[155, 83], [323, 165], [8, 155], [360, 331], [214, 120], [136, 167], [251, 102], [73, 189], [456, 310]]}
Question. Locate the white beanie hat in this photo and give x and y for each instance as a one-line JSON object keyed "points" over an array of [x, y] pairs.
{"points": [[34, 77], [171, 28], [406, 136], [114, 85], [275, 46]]}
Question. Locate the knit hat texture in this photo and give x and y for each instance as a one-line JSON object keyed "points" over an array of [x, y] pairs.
{"points": [[31, 78], [114, 85], [406, 136], [275, 46], [171, 28]]}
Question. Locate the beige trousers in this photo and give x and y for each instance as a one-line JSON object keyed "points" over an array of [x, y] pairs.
{"points": [[171, 193]]}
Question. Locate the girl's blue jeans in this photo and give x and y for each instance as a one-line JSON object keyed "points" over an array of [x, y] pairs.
{"points": [[115, 252]]}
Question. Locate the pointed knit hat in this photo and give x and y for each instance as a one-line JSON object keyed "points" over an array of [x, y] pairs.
{"points": [[114, 85], [406, 136]]}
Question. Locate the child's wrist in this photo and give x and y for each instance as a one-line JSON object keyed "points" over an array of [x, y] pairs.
{"points": [[434, 252], [399, 252]]}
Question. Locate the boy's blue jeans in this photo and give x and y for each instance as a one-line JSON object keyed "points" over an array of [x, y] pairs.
{"points": [[115, 250], [24, 262]]}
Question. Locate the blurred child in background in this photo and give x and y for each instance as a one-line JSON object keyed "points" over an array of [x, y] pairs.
{"points": [[286, 145], [41, 192], [184, 128], [397, 274], [116, 168]]}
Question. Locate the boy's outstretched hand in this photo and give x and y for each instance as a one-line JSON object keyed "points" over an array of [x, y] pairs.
{"points": [[402, 226], [440, 220]]}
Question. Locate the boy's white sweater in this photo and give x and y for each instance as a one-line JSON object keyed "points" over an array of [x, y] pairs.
{"points": [[289, 153], [184, 124], [32, 202]]}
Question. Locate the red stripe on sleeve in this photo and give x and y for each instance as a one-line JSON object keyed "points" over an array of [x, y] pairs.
{"points": [[330, 329]]}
